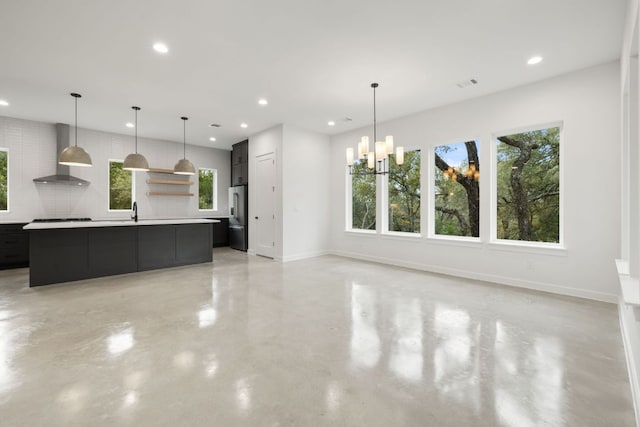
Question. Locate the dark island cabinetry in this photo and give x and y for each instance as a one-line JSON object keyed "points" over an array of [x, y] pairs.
{"points": [[67, 254]]}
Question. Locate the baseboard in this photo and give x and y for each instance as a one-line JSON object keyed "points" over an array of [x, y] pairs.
{"points": [[305, 255], [631, 367], [508, 281]]}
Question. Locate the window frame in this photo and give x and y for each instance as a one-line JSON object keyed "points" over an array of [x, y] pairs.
{"points": [[384, 201], [8, 210], [432, 198], [214, 194], [133, 186], [349, 206], [551, 247]]}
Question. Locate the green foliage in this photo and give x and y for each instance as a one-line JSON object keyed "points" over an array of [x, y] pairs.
{"points": [[454, 208], [528, 177], [120, 187], [404, 193], [363, 190], [205, 189], [4, 161]]}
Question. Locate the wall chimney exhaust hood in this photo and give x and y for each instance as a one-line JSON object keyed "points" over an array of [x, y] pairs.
{"points": [[62, 172]]}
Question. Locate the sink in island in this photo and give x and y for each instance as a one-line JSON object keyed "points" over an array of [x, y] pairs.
{"points": [[68, 251]]}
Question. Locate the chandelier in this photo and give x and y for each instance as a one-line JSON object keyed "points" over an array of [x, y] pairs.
{"points": [[377, 161]]}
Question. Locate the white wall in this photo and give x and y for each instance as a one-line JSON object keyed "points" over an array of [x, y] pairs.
{"points": [[265, 142], [587, 103], [630, 203], [32, 154], [305, 194]]}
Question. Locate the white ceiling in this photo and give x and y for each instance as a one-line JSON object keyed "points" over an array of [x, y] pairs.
{"points": [[312, 59]]}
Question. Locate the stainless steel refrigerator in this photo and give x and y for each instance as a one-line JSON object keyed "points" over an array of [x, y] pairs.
{"points": [[238, 216]]}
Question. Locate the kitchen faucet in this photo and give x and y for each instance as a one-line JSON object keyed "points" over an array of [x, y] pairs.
{"points": [[135, 212]]}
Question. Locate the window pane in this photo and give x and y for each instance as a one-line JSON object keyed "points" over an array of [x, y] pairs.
{"points": [[205, 189], [119, 187], [404, 193], [363, 190], [528, 178], [457, 189], [4, 187]]}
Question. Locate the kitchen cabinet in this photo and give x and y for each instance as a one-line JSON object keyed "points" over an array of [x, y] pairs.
{"points": [[221, 232], [14, 246], [240, 163], [97, 249]]}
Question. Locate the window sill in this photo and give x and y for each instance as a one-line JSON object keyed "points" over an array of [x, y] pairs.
{"points": [[356, 232], [400, 235], [526, 247], [469, 242]]}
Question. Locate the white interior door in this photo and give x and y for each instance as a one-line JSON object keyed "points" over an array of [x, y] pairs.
{"points": [[265, 219]]}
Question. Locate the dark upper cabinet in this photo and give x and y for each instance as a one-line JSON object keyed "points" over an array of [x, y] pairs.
{"points": [[240, 163]]}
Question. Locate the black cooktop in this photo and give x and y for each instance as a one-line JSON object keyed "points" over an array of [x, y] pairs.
{"points": [[60, 219]]}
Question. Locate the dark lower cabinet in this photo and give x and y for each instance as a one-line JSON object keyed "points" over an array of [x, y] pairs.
{"points": [[192, 244], [64, 255], [220, 232], [14, 246], [156, 247], [113, 251], [58, 256]]}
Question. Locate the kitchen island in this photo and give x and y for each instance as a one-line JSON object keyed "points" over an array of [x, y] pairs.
{"points": [[68, 251]]}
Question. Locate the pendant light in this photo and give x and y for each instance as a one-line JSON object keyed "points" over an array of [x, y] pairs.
{"points": [[376, 159], [74, 155], [135, 161], [184, 166]]}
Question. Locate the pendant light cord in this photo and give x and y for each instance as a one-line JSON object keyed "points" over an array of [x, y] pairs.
{"points": [[184, 139], [375, 137], [136, 129], [76, 133]]}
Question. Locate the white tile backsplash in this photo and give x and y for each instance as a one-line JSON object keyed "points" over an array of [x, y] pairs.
{"points": [[32, 154]]}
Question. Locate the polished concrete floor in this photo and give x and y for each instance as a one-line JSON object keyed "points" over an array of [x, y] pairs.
{"points": [[325, 341]]}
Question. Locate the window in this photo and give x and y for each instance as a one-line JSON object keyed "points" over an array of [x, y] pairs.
{"points": [[457, 189], [363, 198], [404, 193], [207, 185], [528, 186], [4, 181], [120, 187]]}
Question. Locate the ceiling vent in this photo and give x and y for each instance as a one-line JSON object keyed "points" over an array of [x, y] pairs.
{"points": [[466, 83]]}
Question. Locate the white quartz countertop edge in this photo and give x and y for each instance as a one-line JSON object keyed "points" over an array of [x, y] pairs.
{"points": [[116, 223]]}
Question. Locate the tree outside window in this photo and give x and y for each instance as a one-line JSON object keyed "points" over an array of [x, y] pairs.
{"points": [[120, 187], [206, 189], [363, 198], [404, 193], [457, 189], [528, 186], [4, 180]]}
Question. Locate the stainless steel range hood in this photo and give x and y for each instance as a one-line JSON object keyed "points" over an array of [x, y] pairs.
{"points": [[62, 172]]}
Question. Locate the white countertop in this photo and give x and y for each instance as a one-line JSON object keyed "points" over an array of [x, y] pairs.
{"points": [[115, 223]]}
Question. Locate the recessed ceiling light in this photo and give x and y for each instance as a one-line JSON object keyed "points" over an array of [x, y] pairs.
{"points": [[160, 47], [4, 103], [331, 123], [212, 139], [130, 125], [534, 60], [244, 125], [263, 101]]}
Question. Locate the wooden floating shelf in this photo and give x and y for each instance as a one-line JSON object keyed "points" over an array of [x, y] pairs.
{"points": [[168, 181], [168, 193], [159, 170]]}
